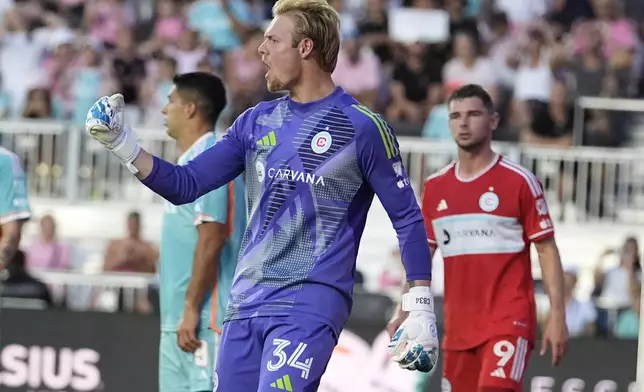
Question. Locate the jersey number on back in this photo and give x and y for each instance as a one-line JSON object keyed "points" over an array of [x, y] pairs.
{"points": [[292, 361]]}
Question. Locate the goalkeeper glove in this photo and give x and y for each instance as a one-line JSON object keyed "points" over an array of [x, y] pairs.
{"points": [[414, 345], [105, 124]]}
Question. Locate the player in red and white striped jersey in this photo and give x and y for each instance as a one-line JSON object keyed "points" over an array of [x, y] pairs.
{"points": [[483, 212]]}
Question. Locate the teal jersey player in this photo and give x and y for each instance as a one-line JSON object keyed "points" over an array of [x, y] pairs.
{"points": [[179, 370], [14, 202], [179, 239]]}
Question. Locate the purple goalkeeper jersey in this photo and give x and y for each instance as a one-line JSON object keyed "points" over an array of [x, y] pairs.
{"points": [[311, 172]]}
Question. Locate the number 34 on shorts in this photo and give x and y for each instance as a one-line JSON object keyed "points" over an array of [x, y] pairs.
{"points": [[281, 347]]}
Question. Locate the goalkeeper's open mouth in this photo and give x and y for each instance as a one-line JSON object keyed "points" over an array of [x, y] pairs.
{"points": [[268, 67]]}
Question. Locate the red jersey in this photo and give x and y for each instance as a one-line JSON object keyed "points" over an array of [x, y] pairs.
{"points": [[483, 227]]}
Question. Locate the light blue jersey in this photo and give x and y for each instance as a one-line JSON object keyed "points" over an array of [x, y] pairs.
{"points": [[225, 205], [14, 201]]}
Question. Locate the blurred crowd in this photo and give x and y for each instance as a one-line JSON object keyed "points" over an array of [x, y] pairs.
{"points": [[534, 56], [58, 56], [613, 306]]}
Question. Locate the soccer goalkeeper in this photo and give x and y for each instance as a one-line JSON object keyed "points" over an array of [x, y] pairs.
{"points": [[199, 244], [313, 160]]}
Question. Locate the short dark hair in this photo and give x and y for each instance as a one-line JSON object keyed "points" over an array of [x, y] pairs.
{"points": [[472, 91], [204, 89]]}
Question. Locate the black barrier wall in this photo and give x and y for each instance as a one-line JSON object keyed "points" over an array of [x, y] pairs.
{"points": [[77, 351], [85, 351]]}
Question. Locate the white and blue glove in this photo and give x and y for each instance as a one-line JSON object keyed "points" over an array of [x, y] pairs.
{"points": [[105, 124], [414, 345]]}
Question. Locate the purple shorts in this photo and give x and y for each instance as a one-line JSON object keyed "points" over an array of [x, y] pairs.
{"points": [[269, 354]]}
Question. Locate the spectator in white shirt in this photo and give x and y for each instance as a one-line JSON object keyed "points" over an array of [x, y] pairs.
{"points": [[21, 55], [533, 90], [580, 315], [613, 286], [522, 12], [533, 80]]}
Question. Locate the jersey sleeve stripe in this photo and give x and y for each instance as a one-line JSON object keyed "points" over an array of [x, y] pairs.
{"points": [[431, 242], [440, 172], [535, 188], [383, 132], [390, 133], [541, 233], [530, 176]]}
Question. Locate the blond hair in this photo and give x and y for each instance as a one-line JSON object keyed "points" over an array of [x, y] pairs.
{"points": [[318, 21]]}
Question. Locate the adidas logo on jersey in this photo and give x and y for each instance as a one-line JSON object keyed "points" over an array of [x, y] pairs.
{"points": [[268, 140], [442, 205], [283, 383], [499, 372]]}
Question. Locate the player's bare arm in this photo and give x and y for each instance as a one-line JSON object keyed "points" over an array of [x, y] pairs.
{"points": [[10, 240], [212, 238], [555, 333]]}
